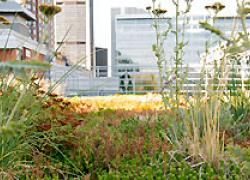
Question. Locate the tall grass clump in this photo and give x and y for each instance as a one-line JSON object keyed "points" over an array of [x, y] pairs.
{"points": [[19, 103], [199, 129], [21, 100]]}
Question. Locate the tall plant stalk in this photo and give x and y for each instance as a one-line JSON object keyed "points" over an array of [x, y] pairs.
{"points": [[179, 33], [177, 51], [158, 47], [168, 75]]}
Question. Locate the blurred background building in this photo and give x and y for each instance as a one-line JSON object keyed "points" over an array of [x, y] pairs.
{"points": [[133, 36], [127, 46], [15, 38], [74, 32], [39, 30]]}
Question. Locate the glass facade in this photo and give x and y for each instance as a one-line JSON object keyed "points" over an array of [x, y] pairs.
{"points": [[135, 37]]}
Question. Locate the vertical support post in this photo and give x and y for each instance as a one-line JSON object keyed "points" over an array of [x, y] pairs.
{"points": [[133, 84], [94, 71]]}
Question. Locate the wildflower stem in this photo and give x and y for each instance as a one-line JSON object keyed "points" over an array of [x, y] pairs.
{"points": [[177, 55]]}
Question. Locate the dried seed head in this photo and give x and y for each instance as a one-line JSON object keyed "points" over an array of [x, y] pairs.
{"points": [[217, 6], [159, 11], [53, 95], [58, 99], [148, 8], [34, 78], [49, 10]]}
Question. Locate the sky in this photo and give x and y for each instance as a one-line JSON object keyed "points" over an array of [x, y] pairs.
{"points": [[102, 17]]}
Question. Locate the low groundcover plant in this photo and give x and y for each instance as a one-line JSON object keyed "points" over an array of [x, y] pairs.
{"points": [[173, 135]]}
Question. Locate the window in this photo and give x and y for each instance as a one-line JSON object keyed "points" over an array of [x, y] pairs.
{"points": [[80, 2], [59, 3], [27, 53]]}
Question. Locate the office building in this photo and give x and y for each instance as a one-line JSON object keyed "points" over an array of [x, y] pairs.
{"points": [[101, 64], [115, 53], [39, 30], [15, 41], [74, 32], [134, 36]]}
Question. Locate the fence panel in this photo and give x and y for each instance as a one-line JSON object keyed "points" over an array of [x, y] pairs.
{"points": [[145, 79]]}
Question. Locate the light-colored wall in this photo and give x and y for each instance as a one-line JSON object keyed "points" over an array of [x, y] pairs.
{"points": [[75, 53], [73, 19]]}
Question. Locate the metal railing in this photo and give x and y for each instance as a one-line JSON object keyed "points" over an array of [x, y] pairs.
{"points": [[144, 79]]}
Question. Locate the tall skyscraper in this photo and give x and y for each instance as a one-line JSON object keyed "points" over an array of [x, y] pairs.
{"points": [[74, 31]]}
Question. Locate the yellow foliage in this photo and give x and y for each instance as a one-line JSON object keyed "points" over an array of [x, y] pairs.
{"points": [[138, 103]]}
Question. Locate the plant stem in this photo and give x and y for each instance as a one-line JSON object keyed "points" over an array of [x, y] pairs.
{"points": [[243, 19], [177, 55], [15, 107]]}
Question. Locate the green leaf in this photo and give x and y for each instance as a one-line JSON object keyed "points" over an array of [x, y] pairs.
{"points": [[210, 28]]}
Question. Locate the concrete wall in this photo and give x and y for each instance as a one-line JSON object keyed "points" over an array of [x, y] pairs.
{"points": [[72, 19]]}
